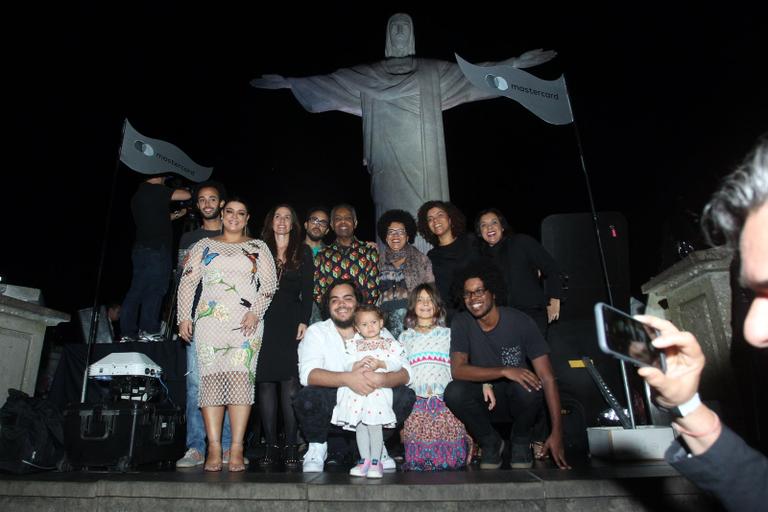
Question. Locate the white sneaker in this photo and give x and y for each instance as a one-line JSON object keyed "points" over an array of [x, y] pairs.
{"points": [[314, 459], [387, 462], [190, 459], [151, 337]]}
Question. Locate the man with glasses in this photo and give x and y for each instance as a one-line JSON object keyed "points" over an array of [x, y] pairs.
{"points": [[502, 372], [316, 226]]}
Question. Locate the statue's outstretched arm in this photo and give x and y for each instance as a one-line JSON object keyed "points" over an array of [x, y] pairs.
{"points": [[271, 82], [531, 58]]}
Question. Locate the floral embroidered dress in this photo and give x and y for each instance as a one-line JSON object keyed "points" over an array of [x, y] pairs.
{"points": [[236, 278], [434, 438], [375, 408]]}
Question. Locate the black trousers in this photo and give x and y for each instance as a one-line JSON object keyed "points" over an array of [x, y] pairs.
{"points": [[314, 407], [513, 405]]}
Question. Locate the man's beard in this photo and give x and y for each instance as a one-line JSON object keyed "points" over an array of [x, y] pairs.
{"points": [[215, 214], [314, 238], [343, 324]]}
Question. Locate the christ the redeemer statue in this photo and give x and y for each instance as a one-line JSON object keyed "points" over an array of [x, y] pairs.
{"points": [[401, 100]]}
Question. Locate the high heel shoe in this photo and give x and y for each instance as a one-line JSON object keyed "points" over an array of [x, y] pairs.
{"points": [[213, 457], [236, 459]]}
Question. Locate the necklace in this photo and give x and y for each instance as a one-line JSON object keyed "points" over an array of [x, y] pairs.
{"points": [[280, 268]]}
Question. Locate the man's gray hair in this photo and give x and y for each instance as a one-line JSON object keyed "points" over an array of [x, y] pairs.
{"points": [[741, 193], [346, 206]]}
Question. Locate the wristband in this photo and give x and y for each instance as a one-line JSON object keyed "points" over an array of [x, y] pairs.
{"points": [[682, 410], [711, 430]]}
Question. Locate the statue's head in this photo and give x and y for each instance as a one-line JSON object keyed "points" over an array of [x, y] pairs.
{"points": [[400, 39]]}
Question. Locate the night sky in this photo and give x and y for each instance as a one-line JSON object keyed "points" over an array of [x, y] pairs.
{"points": [[665, 102]]}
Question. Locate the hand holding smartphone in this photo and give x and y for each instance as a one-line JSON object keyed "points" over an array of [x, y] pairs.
{"points": [[625, 338]]}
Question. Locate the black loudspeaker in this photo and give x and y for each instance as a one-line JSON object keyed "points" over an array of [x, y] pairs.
{"points": [[572, 242], [571, 239]]}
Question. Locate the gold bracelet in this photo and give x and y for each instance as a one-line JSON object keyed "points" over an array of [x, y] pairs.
{"points": [[714, 427], [488, 385]]}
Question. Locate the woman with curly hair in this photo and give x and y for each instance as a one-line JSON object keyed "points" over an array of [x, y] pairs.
{"points": [[401, 268], [444, 226], [530, 273]]}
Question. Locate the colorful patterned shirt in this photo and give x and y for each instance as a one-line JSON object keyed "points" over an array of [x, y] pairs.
{"points": [[358, 263]]}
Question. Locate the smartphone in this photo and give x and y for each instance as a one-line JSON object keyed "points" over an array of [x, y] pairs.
{"points": [[623, 337]]}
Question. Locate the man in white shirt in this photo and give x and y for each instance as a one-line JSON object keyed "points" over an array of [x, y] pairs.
{"points": [[321, 371]]}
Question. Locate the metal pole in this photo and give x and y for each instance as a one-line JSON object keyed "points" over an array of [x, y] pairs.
{"points": [[600, 250], [96, 295]]}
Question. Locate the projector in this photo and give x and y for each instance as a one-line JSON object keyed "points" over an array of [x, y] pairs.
{"points": [[125, 363]]}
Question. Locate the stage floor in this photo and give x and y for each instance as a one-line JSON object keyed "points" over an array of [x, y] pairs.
{"points": [[646, 486]]}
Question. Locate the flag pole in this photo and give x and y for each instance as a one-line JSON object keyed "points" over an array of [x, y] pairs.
{"points": [[600, 250], [95, 312]]}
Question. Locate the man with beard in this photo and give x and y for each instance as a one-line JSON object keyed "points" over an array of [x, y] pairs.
{"points": [[499, 356], [316, 226], [209, 198], [322, 357]]}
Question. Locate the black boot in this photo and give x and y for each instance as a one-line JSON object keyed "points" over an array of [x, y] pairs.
{"points": [[291, 457], [270, 453]]}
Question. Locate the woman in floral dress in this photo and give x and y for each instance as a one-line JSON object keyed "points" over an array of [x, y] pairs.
{"points": [[238, 276]]}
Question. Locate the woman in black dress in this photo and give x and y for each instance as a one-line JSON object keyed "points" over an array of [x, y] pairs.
{"points": [[284, 326], [531, 274], [444, 226]]}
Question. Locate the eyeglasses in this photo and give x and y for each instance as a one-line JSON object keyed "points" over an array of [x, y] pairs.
{"points": [[393, 232], [318, 222], [468, 294]]}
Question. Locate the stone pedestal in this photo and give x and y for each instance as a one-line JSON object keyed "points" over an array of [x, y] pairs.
{"points": [[22, 329], [697, 294]]}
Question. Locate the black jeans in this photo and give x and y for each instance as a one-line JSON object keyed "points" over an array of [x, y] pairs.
{"points": [[314, 407], [513, 404]]}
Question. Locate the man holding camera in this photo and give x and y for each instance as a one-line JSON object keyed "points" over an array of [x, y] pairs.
{"points": [[709, 453], [151, 258]]}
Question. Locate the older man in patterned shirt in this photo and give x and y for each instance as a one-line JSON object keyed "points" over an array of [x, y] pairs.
{"points": [[347, 258]]}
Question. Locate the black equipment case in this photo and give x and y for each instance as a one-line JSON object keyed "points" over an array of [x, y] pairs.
{"points": [[123, 434]]}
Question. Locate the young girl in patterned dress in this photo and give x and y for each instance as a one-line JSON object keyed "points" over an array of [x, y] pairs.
{"points": [[368, 415], [434, 438]]}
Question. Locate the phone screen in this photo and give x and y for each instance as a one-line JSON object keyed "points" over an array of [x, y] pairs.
{"points": [[622, 336]]}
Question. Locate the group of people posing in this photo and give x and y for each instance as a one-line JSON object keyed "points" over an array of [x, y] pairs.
{"points": [[440, 349]]}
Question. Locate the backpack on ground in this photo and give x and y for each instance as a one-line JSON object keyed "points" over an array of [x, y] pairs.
{"points": [[31, 434]]}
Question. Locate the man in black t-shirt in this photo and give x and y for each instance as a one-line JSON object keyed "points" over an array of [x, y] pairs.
{"points": [[499, 356], [151, 258]]}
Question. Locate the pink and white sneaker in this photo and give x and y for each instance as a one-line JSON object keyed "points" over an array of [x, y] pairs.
{"points": [[376, 470], [361, 469]]}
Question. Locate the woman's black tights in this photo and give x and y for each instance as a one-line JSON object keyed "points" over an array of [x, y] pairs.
{"points": [[268, 409]]}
